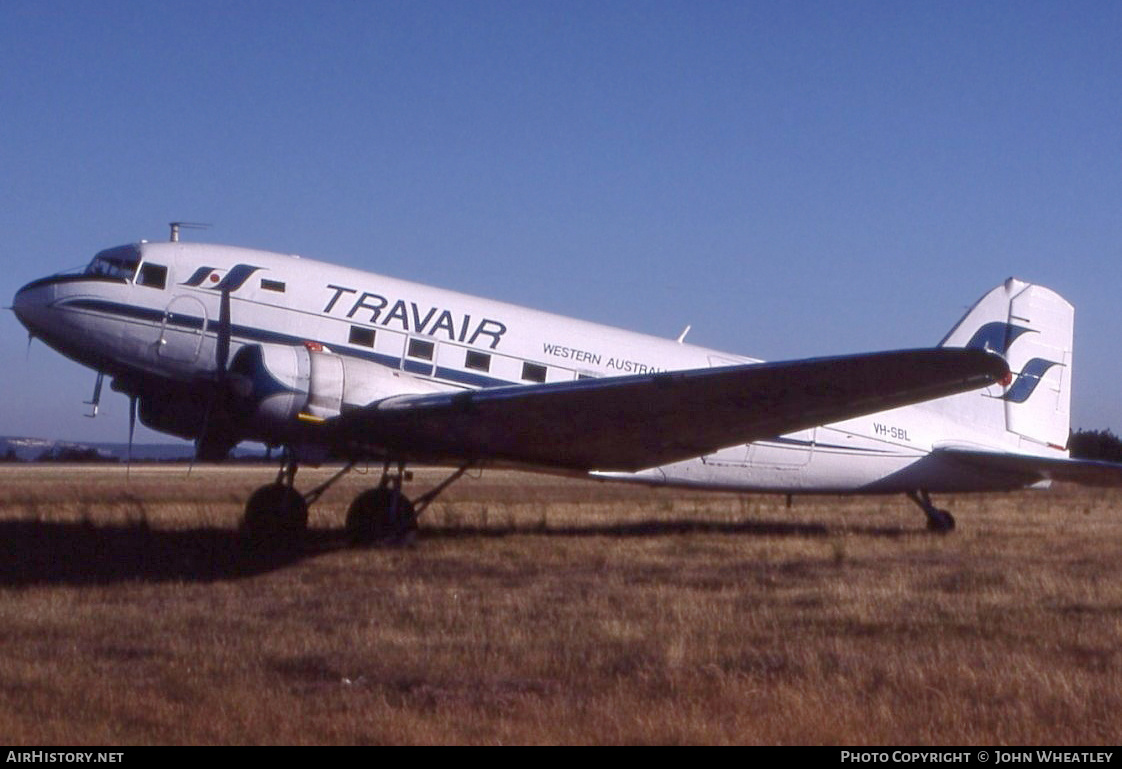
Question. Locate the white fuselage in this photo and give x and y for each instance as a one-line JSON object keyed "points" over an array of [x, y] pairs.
{"points": [[162, 323]]}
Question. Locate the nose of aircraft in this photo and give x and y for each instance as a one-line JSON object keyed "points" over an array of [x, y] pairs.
{"points": [[28, 304]]}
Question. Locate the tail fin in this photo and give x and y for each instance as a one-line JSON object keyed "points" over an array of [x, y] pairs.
{"points": [[1032, 327]]}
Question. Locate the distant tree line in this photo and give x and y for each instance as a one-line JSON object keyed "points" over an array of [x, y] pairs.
{"points": [[1095, 444], [60, 454], [73, 454]]}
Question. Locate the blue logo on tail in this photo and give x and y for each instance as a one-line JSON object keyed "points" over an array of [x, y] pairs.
{"points": [[999, 337], [996, 337], [1027, 381]]}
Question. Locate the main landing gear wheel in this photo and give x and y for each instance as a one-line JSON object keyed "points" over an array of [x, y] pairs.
{"points": [[276, 515], [381, 515]]}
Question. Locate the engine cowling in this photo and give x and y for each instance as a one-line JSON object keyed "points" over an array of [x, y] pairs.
{"points": [[281, 385]]}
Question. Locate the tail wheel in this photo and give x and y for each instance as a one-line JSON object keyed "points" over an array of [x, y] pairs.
{"points": [[274, 515], [941, 521], [938, 520], [381, 515]]}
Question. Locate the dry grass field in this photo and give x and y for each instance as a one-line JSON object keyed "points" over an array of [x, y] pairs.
{"points": [[542, 610]]}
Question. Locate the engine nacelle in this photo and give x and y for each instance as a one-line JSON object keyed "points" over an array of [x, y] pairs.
{"points": [[181, 413], [281, 384]]}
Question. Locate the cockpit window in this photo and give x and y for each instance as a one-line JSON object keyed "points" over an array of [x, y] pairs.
{"points": [[117, 263], [152, 274]]}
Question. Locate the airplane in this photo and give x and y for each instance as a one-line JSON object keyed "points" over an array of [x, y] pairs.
{"points": [[220, 344]]}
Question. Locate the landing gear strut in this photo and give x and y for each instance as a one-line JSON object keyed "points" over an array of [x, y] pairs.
{"points": [[938, 520]]}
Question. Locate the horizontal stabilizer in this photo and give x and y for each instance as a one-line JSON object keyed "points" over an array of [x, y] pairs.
{"points": [[1086, 471], [630, 423]]}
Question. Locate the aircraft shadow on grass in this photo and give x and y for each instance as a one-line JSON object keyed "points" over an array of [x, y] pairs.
{"points": [[82, 553]]}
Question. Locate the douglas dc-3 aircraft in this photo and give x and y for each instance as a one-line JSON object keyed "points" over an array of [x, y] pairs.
{"points": [[222, 344]]}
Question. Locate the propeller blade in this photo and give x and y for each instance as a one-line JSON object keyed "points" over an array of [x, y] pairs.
{"points": [[203, 431], [132, 431], [214, 407], [222, 342]]}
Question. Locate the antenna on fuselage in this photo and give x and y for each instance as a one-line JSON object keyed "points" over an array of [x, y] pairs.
{"points": [[186, 225]]}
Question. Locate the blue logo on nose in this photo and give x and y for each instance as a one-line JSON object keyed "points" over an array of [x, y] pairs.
{"points": [[233, 280]]}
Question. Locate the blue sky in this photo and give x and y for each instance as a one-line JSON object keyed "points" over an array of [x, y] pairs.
{"points": [[791, 178]]}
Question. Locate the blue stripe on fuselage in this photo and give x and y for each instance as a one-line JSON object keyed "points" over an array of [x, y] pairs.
{"points": [[260, 335]]}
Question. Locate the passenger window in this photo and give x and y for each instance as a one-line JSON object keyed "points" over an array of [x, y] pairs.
{"points": [[152, 275], [419, 348], [478, 361], [532, 372], [362, 336], [272, 285]]}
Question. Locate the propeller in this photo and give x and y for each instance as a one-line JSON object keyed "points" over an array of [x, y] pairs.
{"points": [[204, 449]]}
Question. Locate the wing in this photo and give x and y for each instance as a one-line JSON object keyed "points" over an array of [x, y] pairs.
{"points": [[1086, 471], [629, 423]]}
